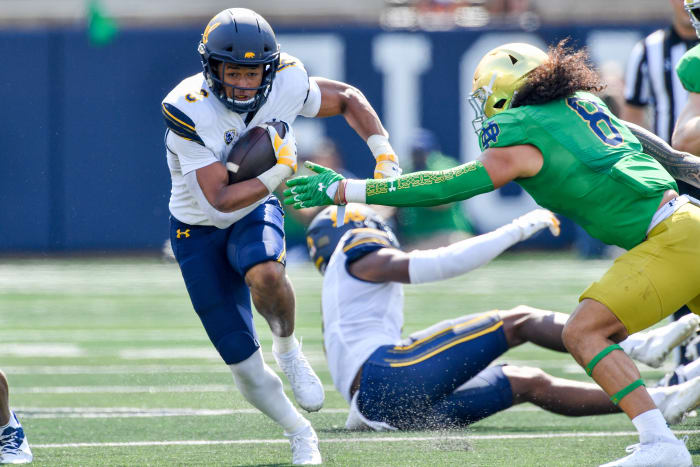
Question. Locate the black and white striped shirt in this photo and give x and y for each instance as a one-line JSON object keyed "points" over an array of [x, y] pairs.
{"points": [[651, 79]]}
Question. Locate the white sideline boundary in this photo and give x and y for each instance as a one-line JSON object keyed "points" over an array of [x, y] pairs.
{"points": [[383, 439]]}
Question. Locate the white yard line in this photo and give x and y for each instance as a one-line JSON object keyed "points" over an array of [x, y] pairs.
{"points": [[129, 389], [131, 412], [383, 439]]}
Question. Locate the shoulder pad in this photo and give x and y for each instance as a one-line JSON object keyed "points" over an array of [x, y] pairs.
{"points": [[503, 129], [360, 242], [688, 69], [287, 61], [179, 123]]}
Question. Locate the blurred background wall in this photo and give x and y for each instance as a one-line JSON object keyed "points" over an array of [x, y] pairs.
{"points": [[83, 163]]}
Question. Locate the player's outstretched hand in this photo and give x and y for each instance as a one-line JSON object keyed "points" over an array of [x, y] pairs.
{"points": [[536, 220], [313, 190], [285, 148]]}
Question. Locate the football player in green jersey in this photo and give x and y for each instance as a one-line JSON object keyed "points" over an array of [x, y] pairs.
{"points": [[539, 125], [686, 134]]}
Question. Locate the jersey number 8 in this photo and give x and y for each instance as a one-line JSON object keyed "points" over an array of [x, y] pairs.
{"points": [[598, 121]]}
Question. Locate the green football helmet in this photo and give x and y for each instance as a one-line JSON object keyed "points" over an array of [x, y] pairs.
{"points": [[498, 76]]}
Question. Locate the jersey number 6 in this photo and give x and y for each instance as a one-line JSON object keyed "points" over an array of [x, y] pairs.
{"points": [[598, 121]]}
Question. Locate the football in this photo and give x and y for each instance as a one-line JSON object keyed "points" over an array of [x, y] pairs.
{"points": [[253, 154]]}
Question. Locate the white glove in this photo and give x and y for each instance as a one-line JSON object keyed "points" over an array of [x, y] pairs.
{"points": [[285, 148], [534, 221]]}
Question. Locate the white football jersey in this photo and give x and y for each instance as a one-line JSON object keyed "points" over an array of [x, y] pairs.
{"points": [[358, 316], [202, 130]]}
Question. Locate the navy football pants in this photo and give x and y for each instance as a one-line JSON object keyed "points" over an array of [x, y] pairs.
{"points": [[214, 262]]}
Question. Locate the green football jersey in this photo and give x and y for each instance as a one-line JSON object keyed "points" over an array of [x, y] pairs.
{"points": [[688, 69], [594, 170]]}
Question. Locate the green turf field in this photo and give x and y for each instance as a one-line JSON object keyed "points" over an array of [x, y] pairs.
{"points": [[109, 365]]}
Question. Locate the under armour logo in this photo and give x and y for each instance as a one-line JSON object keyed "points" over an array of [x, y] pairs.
{"points": [[489, 134], [391, 186], [321, 187], [186, 233]]}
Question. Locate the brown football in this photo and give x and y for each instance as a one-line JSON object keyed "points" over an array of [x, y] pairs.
{"points": [[253, 154]]}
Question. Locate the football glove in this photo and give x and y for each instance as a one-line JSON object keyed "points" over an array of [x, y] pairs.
{"points": [[285, 148], [313, 190], [534, 221], [387, 166]]}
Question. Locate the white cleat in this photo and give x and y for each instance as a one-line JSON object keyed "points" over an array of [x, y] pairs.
{"points": [[660, 454], [305, 447], [14, 448], [656, 344], [306, 386], [675, 401]]}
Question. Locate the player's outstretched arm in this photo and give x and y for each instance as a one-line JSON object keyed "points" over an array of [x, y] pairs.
{"points": [[419, 266], [681, 165], [497, 167], [339, 98]]}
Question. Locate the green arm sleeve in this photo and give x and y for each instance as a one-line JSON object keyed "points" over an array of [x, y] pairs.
{"points": [[431, 188]]}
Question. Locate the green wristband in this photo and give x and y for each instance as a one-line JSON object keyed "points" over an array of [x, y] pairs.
{"points": [[431, 188]]}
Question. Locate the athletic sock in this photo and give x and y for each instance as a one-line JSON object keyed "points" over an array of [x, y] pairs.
{"points": [[284, 345], [652, 427], [691, 370], [263, 388]]}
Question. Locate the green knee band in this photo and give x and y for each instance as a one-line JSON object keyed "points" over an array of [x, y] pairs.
{"points": [[603, 353], [430, 188], [617, 397]]}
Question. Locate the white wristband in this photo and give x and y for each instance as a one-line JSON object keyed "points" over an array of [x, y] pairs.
{"points": [[272, 177], [379, 144], [356, 191]]}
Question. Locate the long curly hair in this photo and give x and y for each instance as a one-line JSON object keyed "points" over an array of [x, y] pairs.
{"points": [[565, 72]]}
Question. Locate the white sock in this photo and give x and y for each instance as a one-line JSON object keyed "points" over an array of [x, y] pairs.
{"points": [[284, 345], [263, 388], [630, 343], [652, 427], [691, 370]]}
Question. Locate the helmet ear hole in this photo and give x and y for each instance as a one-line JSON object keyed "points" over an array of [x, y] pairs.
{"points": [[499, 104]]}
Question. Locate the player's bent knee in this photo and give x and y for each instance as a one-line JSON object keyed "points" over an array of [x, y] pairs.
{"points": [[236, 346], [265, 275], [572, 336], [526, 381]]}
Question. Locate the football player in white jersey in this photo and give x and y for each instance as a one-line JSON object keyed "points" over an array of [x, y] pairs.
{"points": [[14, 448], [229, 239], [440, 377]]}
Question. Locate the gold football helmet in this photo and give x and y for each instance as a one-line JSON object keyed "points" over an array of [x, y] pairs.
{"points": [[499, 75], [693, 9]]}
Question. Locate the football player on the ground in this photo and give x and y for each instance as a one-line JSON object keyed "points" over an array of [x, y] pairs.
{"points": [[539, 126], [14, 448], [440, 377], [229, 239]]}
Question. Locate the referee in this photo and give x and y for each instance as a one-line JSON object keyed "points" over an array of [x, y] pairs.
{"points": [[651, 79]]}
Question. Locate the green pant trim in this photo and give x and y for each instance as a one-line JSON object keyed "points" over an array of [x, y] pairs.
{"points": [[603, 353], [617, 397]]}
